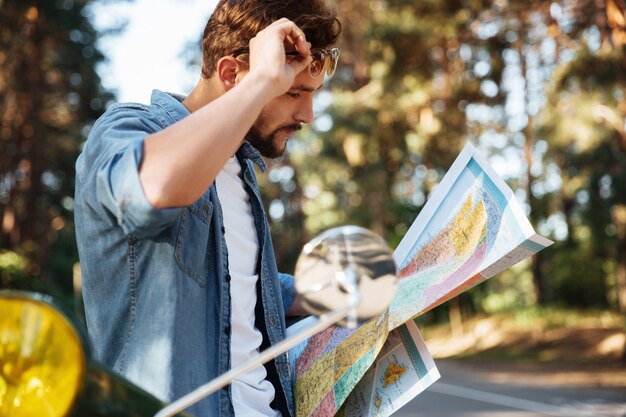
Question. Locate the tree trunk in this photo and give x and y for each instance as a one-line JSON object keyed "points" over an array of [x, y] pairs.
{"points": [[529, 144], [20, 111], [621, 275], [455, 316], [618, 213]]}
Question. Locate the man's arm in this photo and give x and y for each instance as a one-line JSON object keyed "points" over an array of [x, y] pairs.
{"points": [[182, 161]]}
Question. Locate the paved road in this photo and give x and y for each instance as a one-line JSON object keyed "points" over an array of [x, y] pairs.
{"points": [[465, 392]]}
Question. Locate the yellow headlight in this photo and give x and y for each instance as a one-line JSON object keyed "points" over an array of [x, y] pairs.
{"points": [[42, 362]]}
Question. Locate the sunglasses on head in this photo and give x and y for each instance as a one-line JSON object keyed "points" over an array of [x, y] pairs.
{"points": [[324, 60]]}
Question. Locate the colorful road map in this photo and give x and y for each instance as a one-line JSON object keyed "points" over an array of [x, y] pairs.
{"points": [[470, 229], [402, 370]]}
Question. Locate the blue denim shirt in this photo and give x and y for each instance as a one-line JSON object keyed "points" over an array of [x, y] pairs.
{"points": [[155, 281]]}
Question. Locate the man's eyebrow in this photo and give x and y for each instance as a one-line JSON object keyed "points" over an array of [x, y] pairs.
{"points": [[306, 89]]}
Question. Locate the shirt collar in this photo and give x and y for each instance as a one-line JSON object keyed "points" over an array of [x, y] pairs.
{"points": [[247, 151], [171, 103]]}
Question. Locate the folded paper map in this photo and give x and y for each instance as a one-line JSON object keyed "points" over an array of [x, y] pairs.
{"points": [[470, 229], [403, 369]]}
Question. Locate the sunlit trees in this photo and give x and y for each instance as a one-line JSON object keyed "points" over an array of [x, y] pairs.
{"points": [[585, 126], [49, 93], [539, 86]]}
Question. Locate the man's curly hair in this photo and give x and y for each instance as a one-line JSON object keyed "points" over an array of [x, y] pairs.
{"points": [[234, 22]]}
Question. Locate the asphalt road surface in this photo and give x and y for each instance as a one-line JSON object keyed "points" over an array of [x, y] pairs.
{"points": [[473, 391]]}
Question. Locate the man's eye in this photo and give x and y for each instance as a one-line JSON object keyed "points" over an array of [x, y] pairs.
{"points": [[293, 94]]}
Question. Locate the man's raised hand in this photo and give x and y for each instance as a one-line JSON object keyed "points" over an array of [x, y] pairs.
{"points": [[268, 60]]}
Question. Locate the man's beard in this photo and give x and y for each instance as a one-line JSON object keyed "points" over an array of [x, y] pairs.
{"points": [[267, 144]]}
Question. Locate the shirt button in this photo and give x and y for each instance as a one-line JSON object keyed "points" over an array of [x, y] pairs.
{"points": [[227, 329], [228, 278], [272, 321], [223, 230]]}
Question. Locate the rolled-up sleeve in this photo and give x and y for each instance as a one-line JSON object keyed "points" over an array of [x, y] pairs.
{"points": [[108, 173]]}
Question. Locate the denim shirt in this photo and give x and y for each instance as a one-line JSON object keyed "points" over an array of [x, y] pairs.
{"points": [[155, 281]]}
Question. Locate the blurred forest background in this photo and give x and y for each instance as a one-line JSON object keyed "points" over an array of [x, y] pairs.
{"points": [[539, 86]]}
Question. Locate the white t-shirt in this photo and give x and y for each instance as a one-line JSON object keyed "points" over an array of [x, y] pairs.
{"points": [[252, 392]]}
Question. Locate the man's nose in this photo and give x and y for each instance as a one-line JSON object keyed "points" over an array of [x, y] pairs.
{"points": [[304, 112]]}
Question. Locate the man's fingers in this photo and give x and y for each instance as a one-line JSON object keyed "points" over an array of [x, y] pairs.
{"points": [[276, 45], [300, 63], [293, 35]]}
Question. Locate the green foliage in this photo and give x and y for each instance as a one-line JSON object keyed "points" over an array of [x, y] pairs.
{"points": [[511, 290], [585, 126], [12, 267], [537, 85], [49, 94], [555, 317]]}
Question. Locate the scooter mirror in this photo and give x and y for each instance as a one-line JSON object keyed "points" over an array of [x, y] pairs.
{"points": [[346, 265]]}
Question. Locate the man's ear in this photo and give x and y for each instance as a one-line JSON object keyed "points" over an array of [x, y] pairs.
{"points": [[229, 71]]}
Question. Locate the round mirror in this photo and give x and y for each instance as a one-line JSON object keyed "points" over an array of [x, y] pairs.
{"points": [[345, 265]]}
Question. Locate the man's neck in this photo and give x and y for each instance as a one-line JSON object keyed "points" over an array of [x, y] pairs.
{"points": [[204, 92]]}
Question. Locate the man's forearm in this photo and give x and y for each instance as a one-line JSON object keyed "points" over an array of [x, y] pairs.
{"points": [[182, 161]]}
